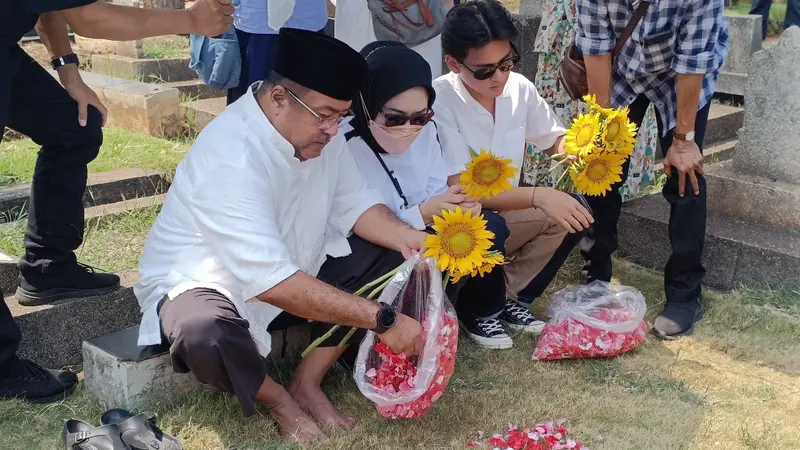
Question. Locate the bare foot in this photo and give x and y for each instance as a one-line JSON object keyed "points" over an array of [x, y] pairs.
{"points": [[313, 401], [294, 424]]}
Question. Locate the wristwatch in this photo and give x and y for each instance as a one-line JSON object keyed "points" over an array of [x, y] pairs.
{"points": [[684, 137], [62, 61], [385, 318]]}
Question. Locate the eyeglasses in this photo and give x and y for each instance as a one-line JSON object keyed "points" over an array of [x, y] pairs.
{"points": [[506, 65], [324, 122], [420, 118]]}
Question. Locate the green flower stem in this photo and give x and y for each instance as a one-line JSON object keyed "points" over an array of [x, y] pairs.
{"points": [[371, 295], [383, 279], [446, 279]]}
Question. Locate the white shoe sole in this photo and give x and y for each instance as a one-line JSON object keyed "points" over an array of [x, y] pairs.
{"points": [[534, 328], [491, 343]]}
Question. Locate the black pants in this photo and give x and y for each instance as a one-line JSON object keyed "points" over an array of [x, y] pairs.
{"points": [[687, 222], [33, 103], [208, 337], [761, 8], [485, 297]]}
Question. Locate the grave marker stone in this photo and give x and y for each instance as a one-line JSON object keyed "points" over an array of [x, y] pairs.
{"points": [[744, 40]]}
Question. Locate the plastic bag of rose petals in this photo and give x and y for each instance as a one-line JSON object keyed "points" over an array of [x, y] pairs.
{"points": [[592, 321], [403, 387]]}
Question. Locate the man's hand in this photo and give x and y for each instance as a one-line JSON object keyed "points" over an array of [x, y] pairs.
{"points": [[449, 200], [686, 158], [81, 93], [411, 241], [211, 17], [563, 208], [404, 337]]}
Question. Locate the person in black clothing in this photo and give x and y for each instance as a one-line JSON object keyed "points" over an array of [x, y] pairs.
{"points": [[67, 122]]}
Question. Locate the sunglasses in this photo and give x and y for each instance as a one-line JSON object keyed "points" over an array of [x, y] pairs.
{"points": [[506, 65], [420, 118]]}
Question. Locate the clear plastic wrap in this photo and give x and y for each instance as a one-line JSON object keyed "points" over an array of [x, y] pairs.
{"points": [[403, 387], [596, 320]]}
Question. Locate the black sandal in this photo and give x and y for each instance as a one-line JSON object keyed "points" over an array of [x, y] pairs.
{"points": [[79, 435], [139, 431]]}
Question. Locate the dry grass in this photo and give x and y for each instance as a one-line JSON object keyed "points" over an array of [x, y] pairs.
{"points": [[734, 385]]}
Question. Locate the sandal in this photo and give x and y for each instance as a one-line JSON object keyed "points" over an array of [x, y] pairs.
{"points": [[139, 432], [79, 435]]}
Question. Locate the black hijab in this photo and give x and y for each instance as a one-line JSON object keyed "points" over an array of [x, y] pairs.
{"points": [[392, 68]]}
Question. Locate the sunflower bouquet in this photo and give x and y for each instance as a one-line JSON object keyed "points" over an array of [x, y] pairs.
{"points": [[597, 145]]}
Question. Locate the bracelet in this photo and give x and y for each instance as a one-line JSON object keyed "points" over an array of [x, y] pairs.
{"points": [[533, 197]]}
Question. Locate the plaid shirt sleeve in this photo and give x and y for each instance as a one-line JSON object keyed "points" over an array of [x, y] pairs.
{"points": [[594, 35], [695, 47]]}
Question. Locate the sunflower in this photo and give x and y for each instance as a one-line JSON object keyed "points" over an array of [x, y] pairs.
{"points": [[619, 134], [582, 135], [490, 260], [591, 100], [598, 172], [460, 241], [487, 175]]}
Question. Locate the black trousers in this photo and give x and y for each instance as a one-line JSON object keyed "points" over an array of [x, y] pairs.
{"points": [[33, 103], [209, 338], [485, 297], [684, 271]]}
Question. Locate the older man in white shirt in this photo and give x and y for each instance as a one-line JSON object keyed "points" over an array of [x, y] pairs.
{"points": [[256, 222]]}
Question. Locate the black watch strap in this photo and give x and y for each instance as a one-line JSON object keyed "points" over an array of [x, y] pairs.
{"points": [[62, 61]]}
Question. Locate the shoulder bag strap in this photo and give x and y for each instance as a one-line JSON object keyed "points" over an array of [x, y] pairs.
{"points": [[353, 133], [641, 10]]}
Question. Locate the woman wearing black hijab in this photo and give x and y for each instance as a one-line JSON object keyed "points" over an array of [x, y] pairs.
{"points": [[395, 145]]}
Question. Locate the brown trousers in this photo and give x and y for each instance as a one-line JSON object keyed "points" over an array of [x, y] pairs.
{"points": [[209, 338], [533, 240]]}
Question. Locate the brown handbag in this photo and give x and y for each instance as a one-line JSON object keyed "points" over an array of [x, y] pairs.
{"points": [[572, 70]]}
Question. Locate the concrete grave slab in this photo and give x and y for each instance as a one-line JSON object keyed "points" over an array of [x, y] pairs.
{"points": [[148, 70], [150, 109]]}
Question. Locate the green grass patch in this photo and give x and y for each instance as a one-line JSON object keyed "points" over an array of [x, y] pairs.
{"points": [[121, 148], [175, 47]]}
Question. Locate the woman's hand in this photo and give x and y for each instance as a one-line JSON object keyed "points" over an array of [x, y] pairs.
{"points": [[449, 200]]}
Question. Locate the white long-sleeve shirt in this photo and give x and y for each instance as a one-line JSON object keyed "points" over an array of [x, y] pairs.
{"points": [[243, 214]]}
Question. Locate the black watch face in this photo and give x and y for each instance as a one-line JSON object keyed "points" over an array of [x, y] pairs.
{"points": [[387, 317]]}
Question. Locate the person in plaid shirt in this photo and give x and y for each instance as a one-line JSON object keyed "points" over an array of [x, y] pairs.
{"points": [[672, 60]]}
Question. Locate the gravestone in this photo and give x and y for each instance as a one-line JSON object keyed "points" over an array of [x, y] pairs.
{"points": [[527, 22], [770, 140], [744, 39]]}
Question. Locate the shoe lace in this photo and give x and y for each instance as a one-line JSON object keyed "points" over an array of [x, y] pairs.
{"points": [[491, 326], [86, 268], [520, 312]]}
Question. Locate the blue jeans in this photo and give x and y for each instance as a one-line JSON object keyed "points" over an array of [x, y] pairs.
{"points": [[761, 8]]}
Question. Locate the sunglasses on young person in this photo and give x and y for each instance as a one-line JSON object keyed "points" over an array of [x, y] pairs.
{"points": [[397, 119], [506, 65]]}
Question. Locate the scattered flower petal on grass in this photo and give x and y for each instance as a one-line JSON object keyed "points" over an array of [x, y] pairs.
{"points": [[542, 436]]}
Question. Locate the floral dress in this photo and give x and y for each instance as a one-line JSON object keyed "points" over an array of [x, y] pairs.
{"points": [[556, 35]]}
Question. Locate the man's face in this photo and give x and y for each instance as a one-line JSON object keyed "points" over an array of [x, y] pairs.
{"points": [[306, 118], [496, 57]]}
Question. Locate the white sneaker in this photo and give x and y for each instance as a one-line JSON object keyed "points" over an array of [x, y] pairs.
{"points": [[519, 318], [488, 333]]}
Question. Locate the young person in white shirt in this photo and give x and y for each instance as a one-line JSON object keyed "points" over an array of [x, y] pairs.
{"points": [[253, 237], [483, 104], [395, 145]]}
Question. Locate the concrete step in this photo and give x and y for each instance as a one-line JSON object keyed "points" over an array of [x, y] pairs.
{"points": [[148, 70], [192, 90], [148, 108], [52, 334], [199, 113], [96, 215], [736, 251], [724, 123], [102, 188]]}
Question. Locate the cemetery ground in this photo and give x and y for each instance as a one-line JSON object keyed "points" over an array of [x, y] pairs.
{"points": [[733, 385]]}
